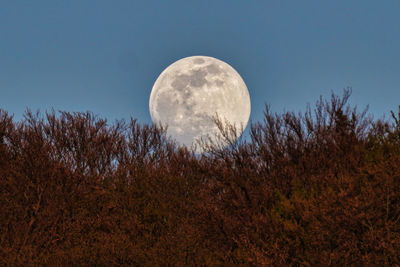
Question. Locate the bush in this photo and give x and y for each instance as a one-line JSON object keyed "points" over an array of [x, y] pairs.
{"points": [[319, 188]]}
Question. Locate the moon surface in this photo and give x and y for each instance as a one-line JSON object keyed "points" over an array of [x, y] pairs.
{"points": [[189, 93]]}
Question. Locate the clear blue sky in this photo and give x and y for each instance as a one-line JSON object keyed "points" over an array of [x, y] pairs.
{"points": [[104, 56]]}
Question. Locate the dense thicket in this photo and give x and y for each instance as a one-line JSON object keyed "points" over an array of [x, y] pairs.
{"points": [[319, 188]]}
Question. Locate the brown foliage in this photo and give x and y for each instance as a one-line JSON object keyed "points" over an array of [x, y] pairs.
{"points": [[319, 188]]}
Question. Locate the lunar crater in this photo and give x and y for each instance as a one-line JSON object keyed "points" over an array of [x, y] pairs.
{"points": [[198, 61]]}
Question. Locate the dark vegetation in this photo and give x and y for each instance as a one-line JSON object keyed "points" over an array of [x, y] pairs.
{"points": [[315, 189]]}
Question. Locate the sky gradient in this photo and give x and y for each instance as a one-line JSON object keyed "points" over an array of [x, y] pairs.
{"points": [[104, 56]]}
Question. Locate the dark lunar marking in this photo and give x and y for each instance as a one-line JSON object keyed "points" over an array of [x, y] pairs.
{"points": [[198, 61], [212, 68], [205, 119], [197, 79], [180, 82], [188, 109], [186, 94], [219, 82]]}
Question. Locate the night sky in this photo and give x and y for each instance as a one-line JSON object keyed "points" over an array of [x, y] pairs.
{"points": [[104, 56]]}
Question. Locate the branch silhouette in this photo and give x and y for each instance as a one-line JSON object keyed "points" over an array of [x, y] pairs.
{"points": [[315, 188]]}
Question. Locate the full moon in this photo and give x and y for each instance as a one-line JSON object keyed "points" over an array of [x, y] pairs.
{"points": [[190, 93]]}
